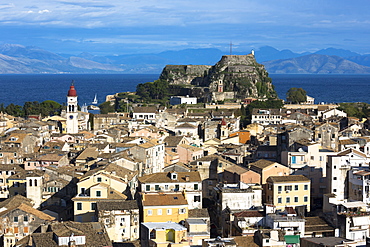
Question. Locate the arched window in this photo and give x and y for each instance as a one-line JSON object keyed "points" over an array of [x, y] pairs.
{"points": [[35, 182], [30, 182]]}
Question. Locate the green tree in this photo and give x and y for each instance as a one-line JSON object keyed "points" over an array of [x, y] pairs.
{"points": [[50, 108], [31, 108], [107, 107], [14, 110], [296, 95]]}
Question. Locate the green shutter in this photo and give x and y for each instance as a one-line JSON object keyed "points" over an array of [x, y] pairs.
{"points": [[292, 239]]}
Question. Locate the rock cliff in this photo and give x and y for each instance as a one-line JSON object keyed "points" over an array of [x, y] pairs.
{"points": [[233, 77]]}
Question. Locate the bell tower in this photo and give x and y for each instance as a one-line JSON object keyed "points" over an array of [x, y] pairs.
{"points": [[72, 114]]}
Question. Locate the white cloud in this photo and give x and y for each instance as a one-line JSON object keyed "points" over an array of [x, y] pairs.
{"points": [[44, 11]]}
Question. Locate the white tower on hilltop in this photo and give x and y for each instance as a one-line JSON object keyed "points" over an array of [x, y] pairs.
{"points": [[72, 114]]}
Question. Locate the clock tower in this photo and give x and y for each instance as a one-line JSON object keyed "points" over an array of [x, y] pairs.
{"points": [[72, 114]]}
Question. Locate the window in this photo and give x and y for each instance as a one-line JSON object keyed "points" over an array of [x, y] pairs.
{"points": [[150, 212], [159, 212], [196, 186], [287, 200], [79, 206], [296, 199], [288, 187], [334, 178], [196, 198], [98, 193], [182, 211], [157, 187], [305, 198], [334, 190], [166, 186], [98, 179], [15, 219], [279, 200], [296, 187], [280, 188], [147, 187], [25, 218], [305, 187], [177, 187], [153, 234], [169, 211], [93, 206], [122, 219]]}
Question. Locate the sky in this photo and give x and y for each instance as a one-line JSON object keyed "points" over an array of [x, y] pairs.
{"points": [[116, 27]]}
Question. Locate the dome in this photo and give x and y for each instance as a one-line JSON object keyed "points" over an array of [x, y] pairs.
{"points": [[72, 91]]}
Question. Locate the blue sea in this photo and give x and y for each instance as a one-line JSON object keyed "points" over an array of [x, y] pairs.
{"points": [[18, 89]]}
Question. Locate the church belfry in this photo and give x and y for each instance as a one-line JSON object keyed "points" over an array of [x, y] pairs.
{"points": [[72, 114]]}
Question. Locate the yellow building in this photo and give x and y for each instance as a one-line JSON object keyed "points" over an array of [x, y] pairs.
{"points": [[109, 182], [160, 207], [163, 234], [288, 191]]}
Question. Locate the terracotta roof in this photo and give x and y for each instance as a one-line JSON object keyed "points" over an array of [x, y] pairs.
{"points": [[249, 213], [189, 147], [162, 199], [93, 231], [317, 224], [117, 205], [72, 91], [90, 152], [33, 211], [145, 110], [173, 141], [164, 177], [236, 169], [186, 126], [350, 150], [289, 178], [198, 213], [262, 164], [245, 241]]}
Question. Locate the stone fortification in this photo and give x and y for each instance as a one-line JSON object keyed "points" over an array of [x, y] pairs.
{"points": [[233, 77], [185, 74]]}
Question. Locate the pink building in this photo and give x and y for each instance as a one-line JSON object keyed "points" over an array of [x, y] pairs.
{"points": [[189, 153]]}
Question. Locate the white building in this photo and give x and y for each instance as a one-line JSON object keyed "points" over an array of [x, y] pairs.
{"points": [[266, 117], [151, 153], [338, 167], [120, 218], [178, 100]]}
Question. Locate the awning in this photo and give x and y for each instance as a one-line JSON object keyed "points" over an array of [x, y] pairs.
{"points": [[292, 239], [356, 204], [361, 221]]}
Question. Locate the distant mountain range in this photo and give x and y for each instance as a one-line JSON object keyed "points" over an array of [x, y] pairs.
{"points": [[18, 59]]}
